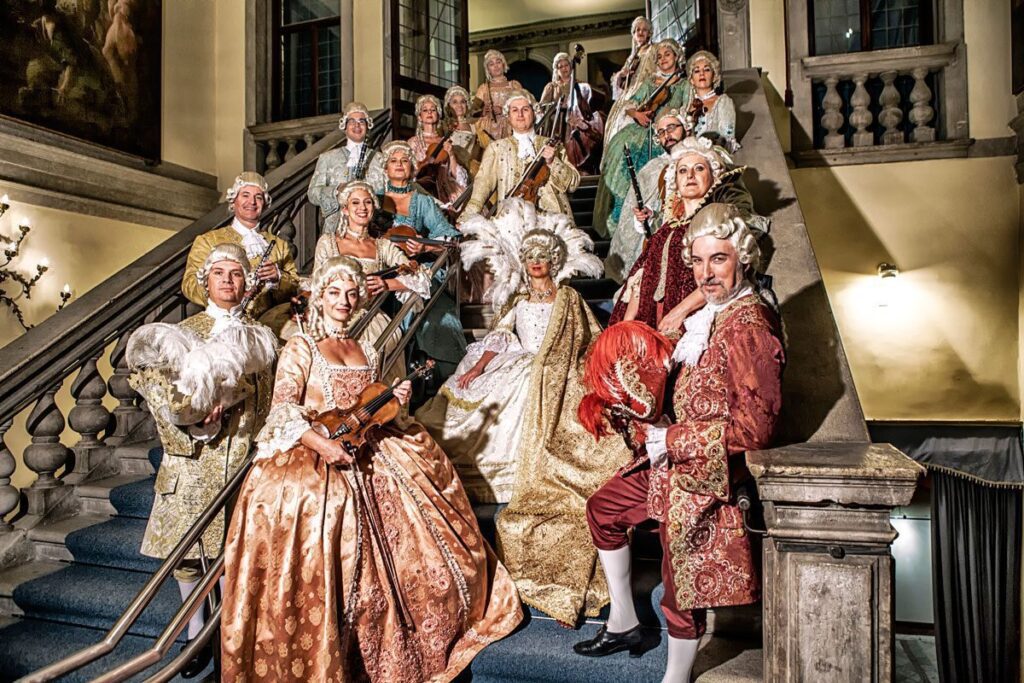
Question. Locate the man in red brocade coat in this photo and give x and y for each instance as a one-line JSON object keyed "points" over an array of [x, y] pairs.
{"points": [[726, 401]]}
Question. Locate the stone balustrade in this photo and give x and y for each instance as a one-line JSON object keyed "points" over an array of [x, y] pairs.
{"points": [[280, 142], [856, 111]]}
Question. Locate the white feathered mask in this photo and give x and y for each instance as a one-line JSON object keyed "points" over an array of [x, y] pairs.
{"points": [[500, 241]]}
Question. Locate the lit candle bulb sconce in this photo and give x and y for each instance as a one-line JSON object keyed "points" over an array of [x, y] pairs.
{"points": [[11, 247], [887, 273]]}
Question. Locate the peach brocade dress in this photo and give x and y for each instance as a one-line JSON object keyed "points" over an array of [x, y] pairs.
{"points": [[306, 593]]}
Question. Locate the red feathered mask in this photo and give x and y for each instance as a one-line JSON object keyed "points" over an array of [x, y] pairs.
{"points": [[625, 375]]}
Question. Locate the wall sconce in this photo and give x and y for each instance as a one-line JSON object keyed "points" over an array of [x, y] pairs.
{"points": [[887, 273], [11, 248]]}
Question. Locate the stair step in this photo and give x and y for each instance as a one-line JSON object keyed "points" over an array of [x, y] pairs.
{"points": [[541, 651], [95, 495], [95, 597], [114, 543], [30, 644], [135, 499], [134, 458], [49, 538], [11, 578]]}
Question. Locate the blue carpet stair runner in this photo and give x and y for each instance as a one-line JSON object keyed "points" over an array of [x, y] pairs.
{"points": [[73, 607]]}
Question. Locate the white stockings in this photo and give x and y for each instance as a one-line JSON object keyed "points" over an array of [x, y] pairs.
{"points": [[681, 653], [616, 565]]}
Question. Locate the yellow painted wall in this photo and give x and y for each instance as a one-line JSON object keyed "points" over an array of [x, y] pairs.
{"points": [[491, 14], [189, 80], [369, 49], [945, 345], [228, 122]]}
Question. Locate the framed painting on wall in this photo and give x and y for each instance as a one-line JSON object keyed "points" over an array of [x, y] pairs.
{"points": [[85, 68]]}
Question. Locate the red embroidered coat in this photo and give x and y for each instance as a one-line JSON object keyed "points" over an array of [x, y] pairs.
{"points": [[725, 405]]}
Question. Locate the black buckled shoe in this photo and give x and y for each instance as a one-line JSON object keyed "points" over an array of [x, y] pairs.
{"points": [[198, 663], [606, 643]]}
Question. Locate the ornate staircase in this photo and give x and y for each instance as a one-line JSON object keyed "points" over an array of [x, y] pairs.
{"points": [[69, 563]]}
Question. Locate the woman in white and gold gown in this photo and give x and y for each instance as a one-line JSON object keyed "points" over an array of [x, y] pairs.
{"points": [[507, 417]]}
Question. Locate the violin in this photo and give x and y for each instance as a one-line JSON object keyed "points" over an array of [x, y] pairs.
{"points": [[433, 173], [537, 173], [376, 407], [659, 97], [408, 268]]}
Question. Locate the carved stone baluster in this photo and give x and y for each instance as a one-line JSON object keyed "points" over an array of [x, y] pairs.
{"points": [[291, 151], [288, 232], [46, 454], [922, 112], [273, 159], [860, 117], [832, 119], [310, 139], [127, 414], [8, 494], [89, 417], [891, 115]]}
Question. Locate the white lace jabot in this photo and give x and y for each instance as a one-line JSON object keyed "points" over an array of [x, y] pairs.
{"points": [[354, 150], [524, 144], [223, 318], [252, 241]]}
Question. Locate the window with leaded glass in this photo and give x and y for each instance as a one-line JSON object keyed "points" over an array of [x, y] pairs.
{"points": [[429, 52], [844, 26], [691, 22], [307, 58]]}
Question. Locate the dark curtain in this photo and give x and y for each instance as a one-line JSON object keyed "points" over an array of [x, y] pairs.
{"points": [[976, 547]]}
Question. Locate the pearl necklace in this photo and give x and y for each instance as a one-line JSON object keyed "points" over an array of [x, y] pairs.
{"points": [[356, 235], [704, 98]]}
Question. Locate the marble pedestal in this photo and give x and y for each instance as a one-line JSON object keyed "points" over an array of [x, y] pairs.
{"points": [[827, 563]]}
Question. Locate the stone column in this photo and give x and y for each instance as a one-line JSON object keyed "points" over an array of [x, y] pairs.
{"points": [[828, 569], [734, 34]]}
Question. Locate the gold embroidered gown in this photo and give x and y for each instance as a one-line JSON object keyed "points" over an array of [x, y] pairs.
{"points": [[515, 435], [306, 594]]}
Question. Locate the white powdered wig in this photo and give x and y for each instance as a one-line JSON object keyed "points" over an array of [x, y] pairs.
{"points": [[500, 241], [206, 371]]}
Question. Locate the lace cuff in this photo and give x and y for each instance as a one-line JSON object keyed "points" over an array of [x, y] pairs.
{"points": [[285, 426], [417, 283], [657, 449], [498, 341]]}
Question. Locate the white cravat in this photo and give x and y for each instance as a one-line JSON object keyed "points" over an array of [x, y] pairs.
{"points": [[223, 318], [354, 151], [524, 143], [698, 330], [252, 241]]}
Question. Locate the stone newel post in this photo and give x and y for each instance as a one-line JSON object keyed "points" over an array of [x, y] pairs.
{"points": [[827, 563]]}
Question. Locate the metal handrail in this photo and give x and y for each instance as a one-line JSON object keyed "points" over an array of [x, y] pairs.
{"points": [[149, 591]]}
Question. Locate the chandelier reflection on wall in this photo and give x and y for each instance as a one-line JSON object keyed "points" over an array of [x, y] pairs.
{"points": [[10, 279]]}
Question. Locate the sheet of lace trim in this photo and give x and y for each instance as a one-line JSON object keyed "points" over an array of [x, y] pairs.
{"points": [[285, 426], [418, 283]]}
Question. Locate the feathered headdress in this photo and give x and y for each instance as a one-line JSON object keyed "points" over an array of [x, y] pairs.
{"points": [[500, 241]]}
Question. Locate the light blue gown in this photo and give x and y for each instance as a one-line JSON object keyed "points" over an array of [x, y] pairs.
{"points": [[441, 335]]}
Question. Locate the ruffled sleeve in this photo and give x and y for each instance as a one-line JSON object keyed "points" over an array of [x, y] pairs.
{"points": [[417, 283], [502, 334], [326, 247], [288, 419]]}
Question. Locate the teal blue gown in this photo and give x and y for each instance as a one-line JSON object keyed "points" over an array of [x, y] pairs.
{"points": [[441, 335], [643, 145]]}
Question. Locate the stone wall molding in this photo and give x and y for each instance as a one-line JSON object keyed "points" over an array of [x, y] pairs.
{"points": [[45, 169]]}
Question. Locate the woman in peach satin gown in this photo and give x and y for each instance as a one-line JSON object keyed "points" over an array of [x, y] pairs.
{"points": [[307, 594]]}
